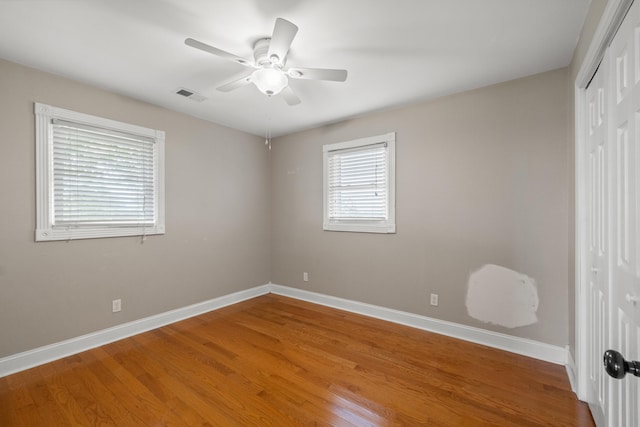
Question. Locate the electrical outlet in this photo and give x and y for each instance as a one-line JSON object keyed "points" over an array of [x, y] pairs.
{"points": [[434, 299], [116, 305], [305, 276]]}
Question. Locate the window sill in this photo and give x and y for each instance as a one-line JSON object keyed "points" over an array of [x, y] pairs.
{"points": [[361, 228], [51, 234]]}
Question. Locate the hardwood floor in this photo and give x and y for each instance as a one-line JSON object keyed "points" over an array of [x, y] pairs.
{"points": [[275, 361]]}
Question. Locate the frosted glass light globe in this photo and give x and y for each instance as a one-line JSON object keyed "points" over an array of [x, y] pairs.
{"points": [[269, 80]]}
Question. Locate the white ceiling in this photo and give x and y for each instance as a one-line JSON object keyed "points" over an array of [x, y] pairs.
{"points": [[397, 52]]}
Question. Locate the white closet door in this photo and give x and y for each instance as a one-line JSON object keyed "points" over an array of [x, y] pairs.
{"points": [[624, 257], [596, 239]]}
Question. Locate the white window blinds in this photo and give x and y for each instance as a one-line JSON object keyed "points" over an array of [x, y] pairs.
{"points": [[96, 177], [101, 177], [359, 185], [357, 181]]}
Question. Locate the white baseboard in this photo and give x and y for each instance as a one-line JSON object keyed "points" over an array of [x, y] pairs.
{"points": [[522, 346], [571, 371], [29, 359]]}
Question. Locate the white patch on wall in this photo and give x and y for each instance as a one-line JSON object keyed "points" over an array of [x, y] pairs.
{"points": [[502, 296]]}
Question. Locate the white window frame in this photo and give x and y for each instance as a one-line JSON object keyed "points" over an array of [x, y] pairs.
{"points": [[363, 225], [46, 230]]}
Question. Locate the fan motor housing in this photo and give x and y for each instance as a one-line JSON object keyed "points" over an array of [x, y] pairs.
{"points": [[261, 51]]}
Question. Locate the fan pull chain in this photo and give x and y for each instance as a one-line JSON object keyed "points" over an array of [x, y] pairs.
{"points": [[267, 131]]}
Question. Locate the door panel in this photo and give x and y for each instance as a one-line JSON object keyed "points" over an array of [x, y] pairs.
{"points": [[597, 269], [624, 264]]}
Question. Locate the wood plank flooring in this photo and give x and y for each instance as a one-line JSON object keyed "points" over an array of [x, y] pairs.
{"points": [[275, 361]]}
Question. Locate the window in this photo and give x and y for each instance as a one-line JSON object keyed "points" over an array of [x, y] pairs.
{"points": [[359, 185], [96, 177]]}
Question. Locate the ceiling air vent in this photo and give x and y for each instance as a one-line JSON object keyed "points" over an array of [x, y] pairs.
{"points": [[190, 94]]}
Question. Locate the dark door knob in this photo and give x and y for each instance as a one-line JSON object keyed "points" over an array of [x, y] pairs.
{"points": [[617, 367]]}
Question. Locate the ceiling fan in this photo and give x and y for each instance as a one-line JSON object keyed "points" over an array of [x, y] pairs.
{"points": [[270, 73]]}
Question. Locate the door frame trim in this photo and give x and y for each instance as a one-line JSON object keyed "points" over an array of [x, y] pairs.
{"points": [[612, 17]]}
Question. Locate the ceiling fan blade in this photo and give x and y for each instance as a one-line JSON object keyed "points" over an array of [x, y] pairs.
{"points": [[236, 83], [318, 74], [290, 97], [283, 34], [219, 52]]}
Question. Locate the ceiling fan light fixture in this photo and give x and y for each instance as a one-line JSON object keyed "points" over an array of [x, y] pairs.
{"points": [[269, 71], [269, 80]]}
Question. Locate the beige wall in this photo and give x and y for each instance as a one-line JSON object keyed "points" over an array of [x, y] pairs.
{"points": [[481, 179], [217, 206], [591, 22]]}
